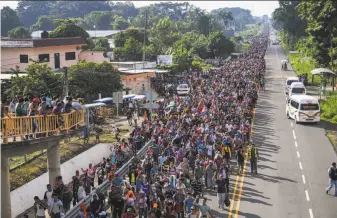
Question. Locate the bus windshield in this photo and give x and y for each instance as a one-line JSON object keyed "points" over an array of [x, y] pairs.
{"points": [[309, 107]]}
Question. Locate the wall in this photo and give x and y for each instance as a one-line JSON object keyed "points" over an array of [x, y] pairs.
{"points": [[134, 82], [94, 56], [23, 198], [10, 57]]}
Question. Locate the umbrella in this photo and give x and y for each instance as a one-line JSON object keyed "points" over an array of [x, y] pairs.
{"points": [[319, 71]]}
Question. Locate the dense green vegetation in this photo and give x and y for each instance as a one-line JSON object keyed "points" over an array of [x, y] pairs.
{"points": [[85, 78], [170, 25], [309, 27]]}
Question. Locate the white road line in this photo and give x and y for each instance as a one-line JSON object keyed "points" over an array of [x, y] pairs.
{"points": [[299, 163], [296, 145], [311, 213], [298, 154], [303, 178], [294, 134], [307, 195], [291, 123]]}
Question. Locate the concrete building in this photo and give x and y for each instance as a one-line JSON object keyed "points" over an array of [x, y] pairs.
{"points": [[136, 75], [93, 34], [55, 52]]}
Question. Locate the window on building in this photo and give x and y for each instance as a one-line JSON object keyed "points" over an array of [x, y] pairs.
{"points": [[44, 57], [23, 58], [70, 56]]}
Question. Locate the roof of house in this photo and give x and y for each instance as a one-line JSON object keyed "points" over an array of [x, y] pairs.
{"points": [[153, 70], [36, 43], [92, 33]]}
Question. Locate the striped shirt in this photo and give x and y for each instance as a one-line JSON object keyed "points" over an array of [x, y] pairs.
{"points": [[197, 187]]}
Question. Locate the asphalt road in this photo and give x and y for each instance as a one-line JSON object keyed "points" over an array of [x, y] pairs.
{"points": [[294, 159]]}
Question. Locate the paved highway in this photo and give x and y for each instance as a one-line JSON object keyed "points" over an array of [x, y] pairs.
{"points": [[294, 159]]}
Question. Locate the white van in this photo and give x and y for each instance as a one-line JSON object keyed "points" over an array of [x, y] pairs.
{"points": [[303, 108], [183, 89], [297, 88], [289, 81]]}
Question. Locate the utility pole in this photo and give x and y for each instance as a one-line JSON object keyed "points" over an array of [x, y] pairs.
{"points": [[144, 55], [332, 65], [65, 82]]}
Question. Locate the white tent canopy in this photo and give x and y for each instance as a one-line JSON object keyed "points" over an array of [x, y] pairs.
{"points": [[319, 71]]}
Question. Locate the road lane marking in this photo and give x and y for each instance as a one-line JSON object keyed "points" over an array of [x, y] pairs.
{"points": [[303, 178], [294, 134], [233, 196], [298, 154], [240, 191], [307, 195], [299, 163], [311, 213], [296, 145], [291, 124], [230, 212]]}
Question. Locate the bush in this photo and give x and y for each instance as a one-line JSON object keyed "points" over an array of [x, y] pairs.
{"points": [[329, 109], [303, 67]]}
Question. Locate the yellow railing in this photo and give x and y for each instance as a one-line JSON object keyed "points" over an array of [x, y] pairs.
{"points": [[50, 124]]}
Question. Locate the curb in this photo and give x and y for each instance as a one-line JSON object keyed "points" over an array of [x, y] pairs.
{"points": [[333, 145]]}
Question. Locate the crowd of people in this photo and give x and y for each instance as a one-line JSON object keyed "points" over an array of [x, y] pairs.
{"points": [[192, 150], [40, 105]]}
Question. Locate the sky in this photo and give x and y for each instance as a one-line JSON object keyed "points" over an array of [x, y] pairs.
{"points": [[258, 8]]}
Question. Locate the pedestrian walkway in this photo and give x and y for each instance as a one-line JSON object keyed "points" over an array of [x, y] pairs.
{"points": [[17, 128], [23, 197]]}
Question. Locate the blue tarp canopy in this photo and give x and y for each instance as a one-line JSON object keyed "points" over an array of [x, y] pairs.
{"points": [[104, 100], [139, 97], [94, 105]]}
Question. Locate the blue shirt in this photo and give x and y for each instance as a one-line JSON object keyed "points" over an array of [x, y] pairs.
{"points": [[188, 204], [154, 170], [161, 160], [118, 181], [146, 188]]}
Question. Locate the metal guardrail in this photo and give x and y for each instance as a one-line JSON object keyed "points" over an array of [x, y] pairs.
{"points": [[74, 212]]}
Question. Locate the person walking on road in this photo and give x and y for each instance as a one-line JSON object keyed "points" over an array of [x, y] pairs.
{"points": [[221, 191], [253, 155], [240, 156], [333, 178]]}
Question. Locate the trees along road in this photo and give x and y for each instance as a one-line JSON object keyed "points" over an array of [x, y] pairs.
{"points": [[293, 164]]}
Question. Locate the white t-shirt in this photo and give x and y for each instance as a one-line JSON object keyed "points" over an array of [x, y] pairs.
{"points": [[229, 127], [209, 150], [76, 105], [39, 211], [49, 196]]}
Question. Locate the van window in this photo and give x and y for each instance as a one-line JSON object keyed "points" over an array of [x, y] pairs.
{"points": [[289, 82], [294, 104], [182, 87], [298, 90], [309, 107]]}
